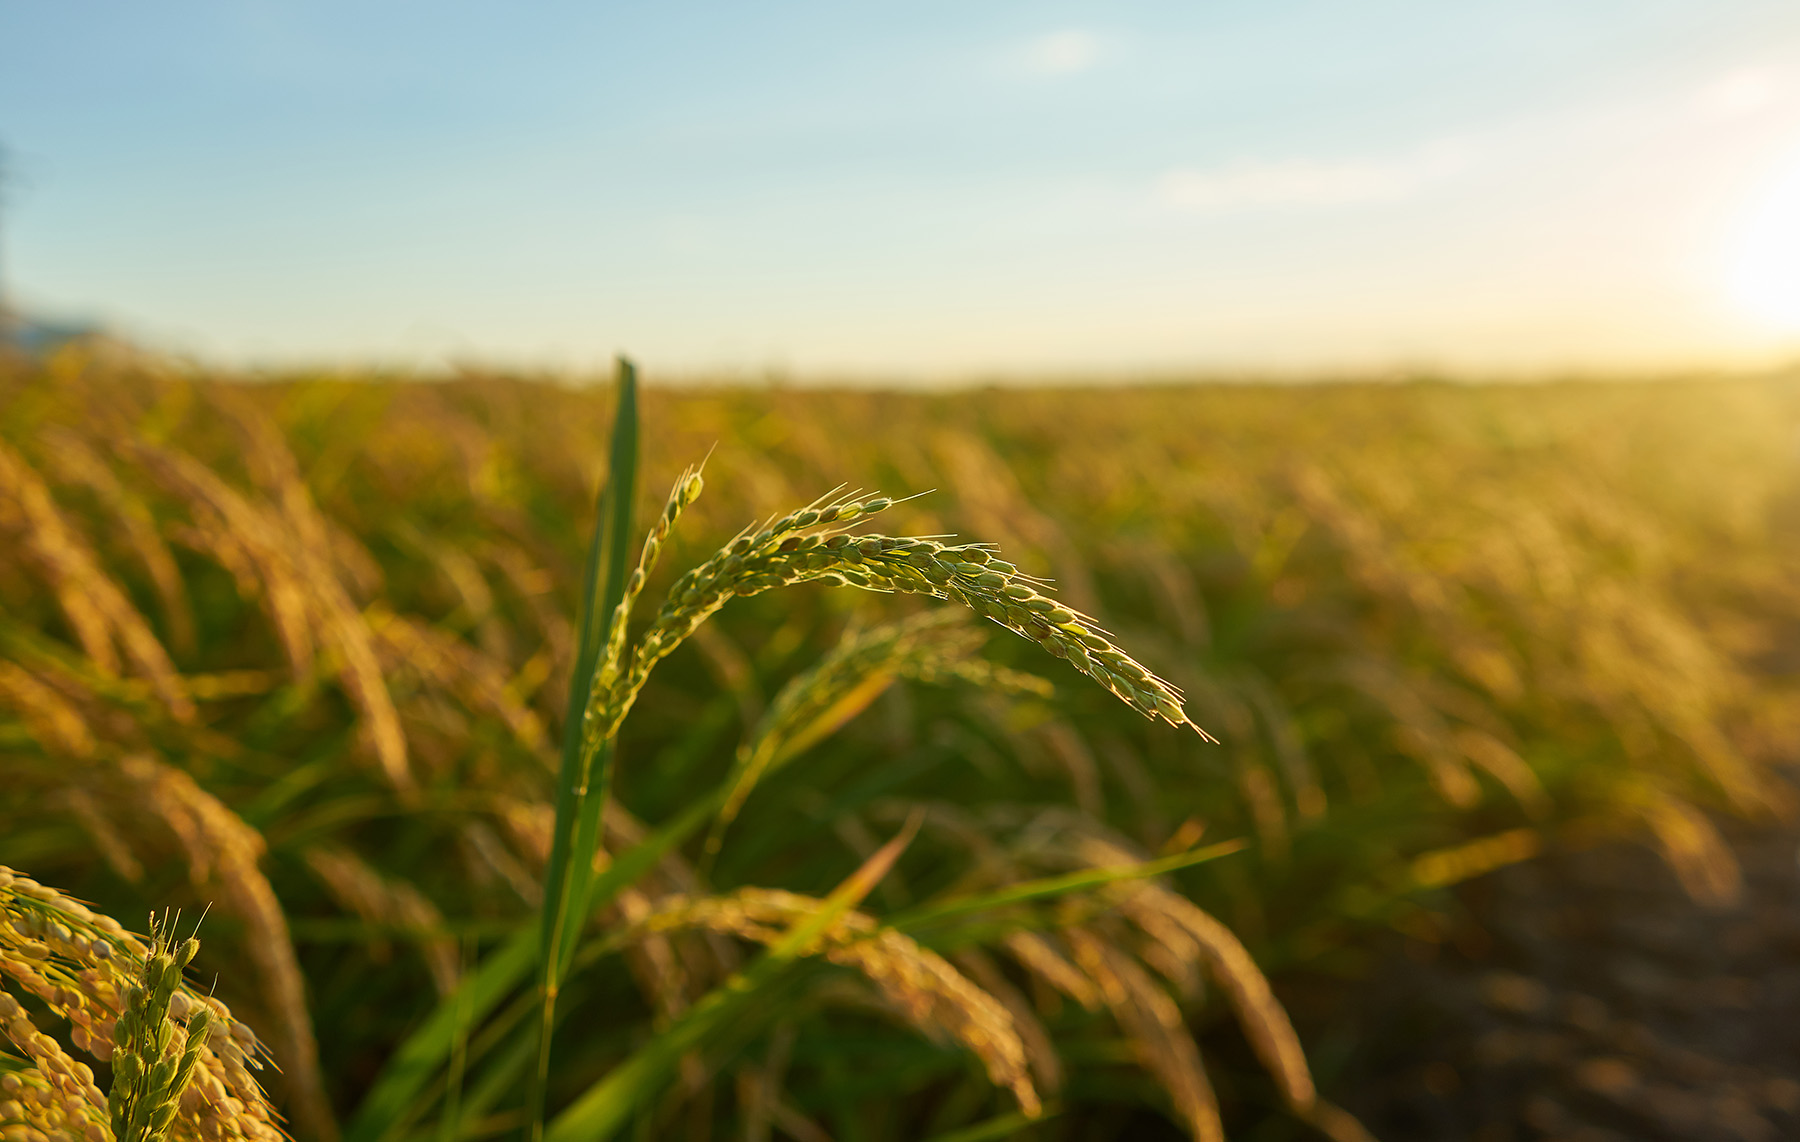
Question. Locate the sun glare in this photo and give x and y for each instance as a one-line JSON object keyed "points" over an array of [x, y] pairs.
{"points": [[1763, 273]]}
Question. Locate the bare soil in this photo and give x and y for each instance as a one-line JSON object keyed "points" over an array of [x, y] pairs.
{"points": [[1589, 999]]}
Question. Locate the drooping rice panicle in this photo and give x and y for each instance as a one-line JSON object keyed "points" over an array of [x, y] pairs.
{"points": [[308, 601], [811, 544], [1154, 1026], [921, 984], [96, 607], [686, 490]]}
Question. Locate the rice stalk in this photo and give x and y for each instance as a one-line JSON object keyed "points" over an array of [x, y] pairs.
{"points": [[585, 774]]}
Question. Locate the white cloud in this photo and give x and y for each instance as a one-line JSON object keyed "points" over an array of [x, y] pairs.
{"points": [[1065, 52], [1253, 183]]}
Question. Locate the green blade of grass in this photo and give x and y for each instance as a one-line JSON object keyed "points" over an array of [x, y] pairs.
{"points": [[392, 1100], [390, 1103], [501, 1078], [928, 914], [1005, 1126], [582, 784]]}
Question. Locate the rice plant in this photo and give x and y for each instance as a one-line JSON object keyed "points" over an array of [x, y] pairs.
{"points": [[814, 866]]}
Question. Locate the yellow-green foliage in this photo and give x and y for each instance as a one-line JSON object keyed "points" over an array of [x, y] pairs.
{"points": [[302, 649]]}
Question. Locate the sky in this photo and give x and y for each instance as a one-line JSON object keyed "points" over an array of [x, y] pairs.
{"points": [[913, 191]]}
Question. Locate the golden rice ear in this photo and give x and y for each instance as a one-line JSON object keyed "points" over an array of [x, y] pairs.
{"points": [[1158, 911], [84, 967], [1264, 1021], [1501, 762], [272, 466], [208, 533], [50, 538], [473, 678], [1153, 1024], [224, 851], [1034, 952], [658, 970], [76, 462], [1336, 1123], [54, 722], [919, 983], [306, 598], [813, 544], [1694, 849], [935, 995], [97, 609], [59, 1096], [1040, 1051]]}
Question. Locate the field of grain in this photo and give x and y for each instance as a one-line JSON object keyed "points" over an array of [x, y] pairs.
{"points": [[298, 653]]}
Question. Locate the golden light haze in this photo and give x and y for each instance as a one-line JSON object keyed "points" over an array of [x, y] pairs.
{"points": [[1763, 280]]}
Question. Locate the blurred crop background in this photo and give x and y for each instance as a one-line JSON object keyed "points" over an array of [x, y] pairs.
{"points": [[1406, 385]]}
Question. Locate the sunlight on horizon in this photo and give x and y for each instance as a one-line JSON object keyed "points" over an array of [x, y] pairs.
{"points": [[1763, 275], [1521, 187]]}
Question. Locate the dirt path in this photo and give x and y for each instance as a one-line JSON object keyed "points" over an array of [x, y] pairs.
{"points": [[1593, 1001]]}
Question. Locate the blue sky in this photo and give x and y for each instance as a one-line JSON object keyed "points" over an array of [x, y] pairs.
{"points": [[923, 190]]}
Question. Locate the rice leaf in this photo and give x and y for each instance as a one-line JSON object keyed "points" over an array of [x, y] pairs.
{"points": [[582, 784], [928, 914]]}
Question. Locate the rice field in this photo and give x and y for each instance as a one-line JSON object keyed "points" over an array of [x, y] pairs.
{"points": [[951, 765]]}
